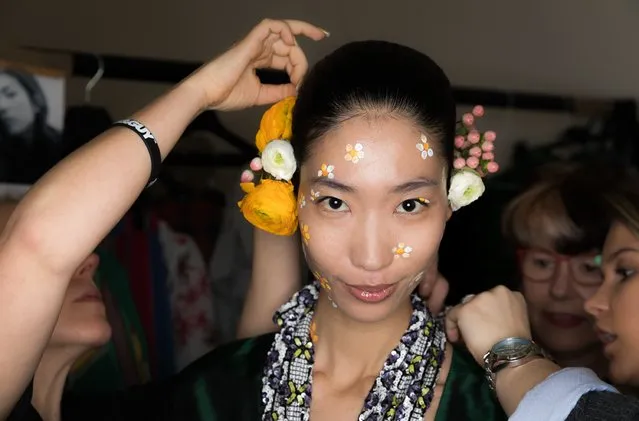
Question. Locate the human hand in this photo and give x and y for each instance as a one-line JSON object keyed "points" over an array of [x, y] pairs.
{"points": [[229, 82], [483, 320]]}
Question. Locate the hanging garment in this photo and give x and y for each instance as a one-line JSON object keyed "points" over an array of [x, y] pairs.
{"points": [[134, 254], [230, 269], [190, 290], [161, 305]]}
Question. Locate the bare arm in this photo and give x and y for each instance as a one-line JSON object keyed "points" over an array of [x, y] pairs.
{"points": [[68, 212], [512, 384], [483, 321], [277, 274], [61, 220]]}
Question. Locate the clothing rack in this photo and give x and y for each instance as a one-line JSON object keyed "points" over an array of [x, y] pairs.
{"points": [[172, 71]]}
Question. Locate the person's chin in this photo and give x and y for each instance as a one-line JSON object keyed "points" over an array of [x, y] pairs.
{"points": [[622, 374]]}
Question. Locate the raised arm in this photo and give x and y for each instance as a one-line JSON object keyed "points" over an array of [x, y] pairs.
{"points": [[69, 211], [277, 274]]}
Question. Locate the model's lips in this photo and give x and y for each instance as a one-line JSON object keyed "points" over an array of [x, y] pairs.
{"points": [[564, 320], [371, 294], [89, 296]]}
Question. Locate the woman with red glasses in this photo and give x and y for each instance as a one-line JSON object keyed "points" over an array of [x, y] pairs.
{"points": [[557, 227]]}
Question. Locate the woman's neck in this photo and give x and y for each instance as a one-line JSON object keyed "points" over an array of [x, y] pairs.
{"points": [[591, 358], [49, 380], [347, 348]]}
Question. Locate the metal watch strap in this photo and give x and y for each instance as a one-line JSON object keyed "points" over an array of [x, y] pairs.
{"points": [[491, 368]]}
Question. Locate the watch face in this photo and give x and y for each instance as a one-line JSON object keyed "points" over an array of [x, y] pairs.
{"points": [[512, 349]]}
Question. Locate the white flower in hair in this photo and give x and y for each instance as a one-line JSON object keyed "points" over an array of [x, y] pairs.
{"points": [[278, 160], [466, 186]]}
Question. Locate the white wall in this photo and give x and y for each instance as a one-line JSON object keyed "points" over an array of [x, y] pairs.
{"points": [[585, 47]]}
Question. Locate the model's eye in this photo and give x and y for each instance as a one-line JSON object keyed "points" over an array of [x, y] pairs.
{"points": [[411, 206], [333, 204]]}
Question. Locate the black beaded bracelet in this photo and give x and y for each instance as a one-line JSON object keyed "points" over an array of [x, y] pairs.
{"points": [[150, 143]]}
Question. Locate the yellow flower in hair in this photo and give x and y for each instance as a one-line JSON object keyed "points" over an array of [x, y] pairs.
{"points": [[276, 123], [271, 206]]}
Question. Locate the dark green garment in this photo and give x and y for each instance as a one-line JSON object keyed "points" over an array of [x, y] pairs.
{"points": [[226, 385]]}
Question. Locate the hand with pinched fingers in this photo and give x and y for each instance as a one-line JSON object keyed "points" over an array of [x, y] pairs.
{"points": [[229, 82]]}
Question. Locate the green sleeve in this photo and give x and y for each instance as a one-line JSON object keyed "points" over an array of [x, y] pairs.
{"points": [[466, 394]]}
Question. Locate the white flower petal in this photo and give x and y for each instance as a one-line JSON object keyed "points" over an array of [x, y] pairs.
{"points": [[430, 152], [465, 187], [330, 175], [278, 160], [424, 154], [358, 147], [420, 147]]}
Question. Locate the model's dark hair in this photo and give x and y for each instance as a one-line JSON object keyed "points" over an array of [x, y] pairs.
{"points": [[373, 79]]}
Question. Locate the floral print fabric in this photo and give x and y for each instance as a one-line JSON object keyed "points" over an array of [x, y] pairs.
{"points": [[403, 390]]}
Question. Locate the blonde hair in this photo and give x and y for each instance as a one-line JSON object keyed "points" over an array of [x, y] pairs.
{"points": [[563, 210]]}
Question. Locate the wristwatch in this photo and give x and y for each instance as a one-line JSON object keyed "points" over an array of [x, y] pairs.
{"points": [[510, 352]]}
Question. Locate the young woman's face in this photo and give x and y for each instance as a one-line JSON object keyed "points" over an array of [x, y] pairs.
{"points": [[82, 321], [16, 110], [615, 308], [372, 211]]}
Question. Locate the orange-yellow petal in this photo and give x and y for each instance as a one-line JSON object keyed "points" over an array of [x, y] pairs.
{"points": [[276, 123], [271, 206]]}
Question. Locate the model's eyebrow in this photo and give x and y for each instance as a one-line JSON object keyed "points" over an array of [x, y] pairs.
{"points": [[619, 252], [416, 184], [407, 187], [332, 184]]}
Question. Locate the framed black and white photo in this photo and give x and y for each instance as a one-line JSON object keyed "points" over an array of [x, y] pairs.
{"points": [[32, 106]]}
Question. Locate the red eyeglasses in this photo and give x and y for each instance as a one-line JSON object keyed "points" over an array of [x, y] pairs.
{"points": [[543, 265]]}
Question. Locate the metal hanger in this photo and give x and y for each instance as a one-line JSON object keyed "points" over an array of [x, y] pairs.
{"points": [[94, 80]]}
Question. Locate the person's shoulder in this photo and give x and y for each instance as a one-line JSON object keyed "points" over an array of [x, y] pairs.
{"points": [[602, 406], [466, 394], [226, 382], [24, 410], [239, 354]]}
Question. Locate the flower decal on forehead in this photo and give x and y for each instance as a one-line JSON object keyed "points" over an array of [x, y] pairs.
{"points": [[326, 171], [354, 153], [424, 147], [314, 195]]}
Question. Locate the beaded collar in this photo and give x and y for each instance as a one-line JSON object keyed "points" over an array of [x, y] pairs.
{"points": [[402, 391]]}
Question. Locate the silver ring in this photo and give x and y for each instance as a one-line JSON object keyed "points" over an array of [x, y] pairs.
{"points": [[467, 298]]}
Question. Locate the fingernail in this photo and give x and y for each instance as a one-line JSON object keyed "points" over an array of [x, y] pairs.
{"points": [[328, 34]]}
